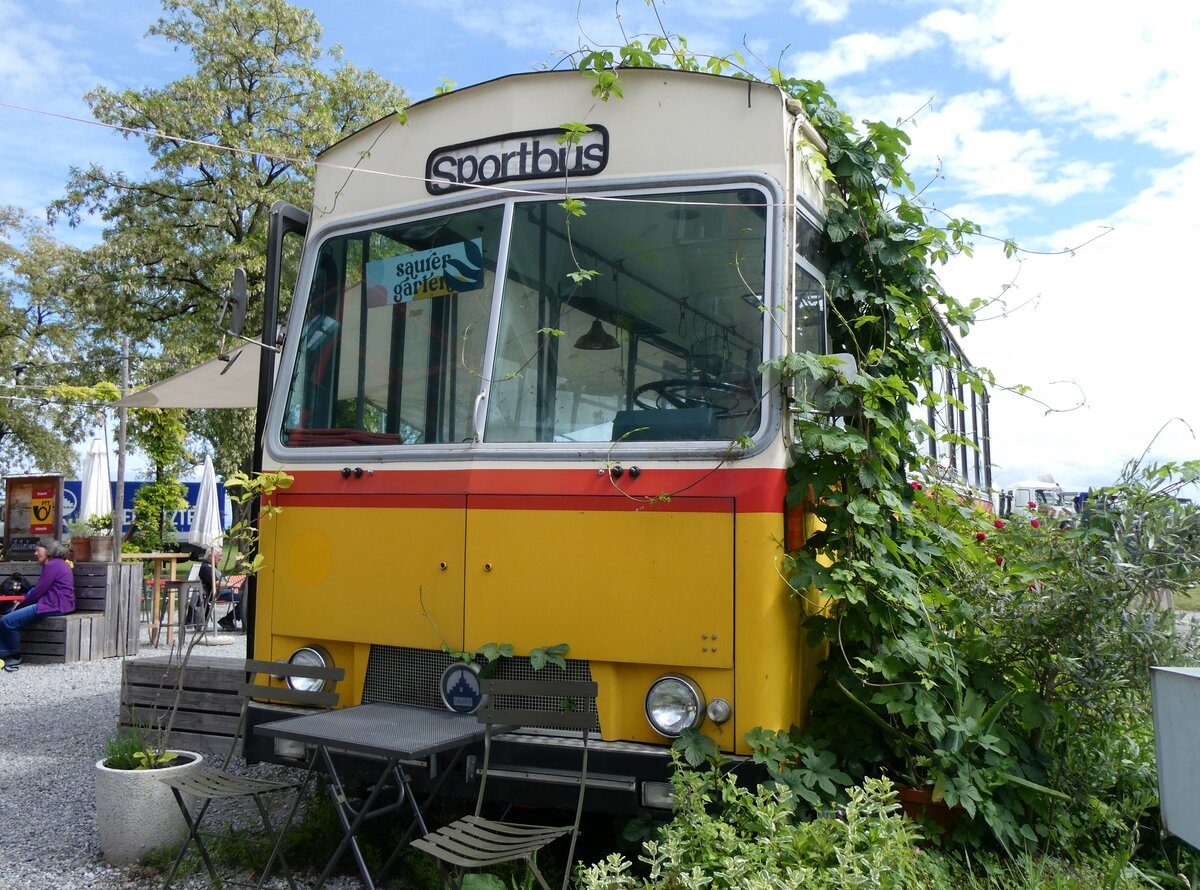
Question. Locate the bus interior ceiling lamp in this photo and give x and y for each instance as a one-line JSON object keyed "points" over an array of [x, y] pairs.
{"points": [[597, 338]]}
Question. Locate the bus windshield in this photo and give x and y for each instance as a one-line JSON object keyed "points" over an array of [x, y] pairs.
{"points": [[659, 340]]}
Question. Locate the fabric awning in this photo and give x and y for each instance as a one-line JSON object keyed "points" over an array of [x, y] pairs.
{"points": [[212, 384]]}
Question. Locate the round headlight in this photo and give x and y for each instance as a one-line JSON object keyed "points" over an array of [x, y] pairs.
{"points": [[674, 704], [309, 656]]}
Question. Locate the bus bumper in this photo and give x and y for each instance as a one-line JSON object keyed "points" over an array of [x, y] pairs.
{"points": [[529, 768]]}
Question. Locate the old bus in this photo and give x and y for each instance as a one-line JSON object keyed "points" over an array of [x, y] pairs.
{"points": [[513, 419]]}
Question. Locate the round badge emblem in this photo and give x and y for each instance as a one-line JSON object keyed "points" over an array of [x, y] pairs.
{"points": [[460, 688]]}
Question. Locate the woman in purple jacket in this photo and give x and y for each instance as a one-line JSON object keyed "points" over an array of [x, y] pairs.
{"points": [[54, 594]]}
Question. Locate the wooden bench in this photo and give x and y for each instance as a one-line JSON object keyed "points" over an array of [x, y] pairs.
{"points": [[59, 639], [104, 623], [209, 700]]}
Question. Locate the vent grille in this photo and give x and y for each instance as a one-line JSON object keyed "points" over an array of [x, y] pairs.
{"points": [[413, 677]]}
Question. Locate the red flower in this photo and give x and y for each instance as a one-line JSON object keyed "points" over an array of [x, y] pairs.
{"points": [[999, 523], [980, 536], [999, 560], [1034, 523], [1032, 505], [916, 486]]}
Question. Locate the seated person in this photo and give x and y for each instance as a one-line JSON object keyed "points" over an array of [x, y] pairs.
{"points": [[54, 594], [210, 575]]}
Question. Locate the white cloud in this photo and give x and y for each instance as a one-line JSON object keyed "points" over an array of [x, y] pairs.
{"points": [[1119, 318], [955, 141], [47, 64], [859, 52], [824, 11], [1132, 70]]}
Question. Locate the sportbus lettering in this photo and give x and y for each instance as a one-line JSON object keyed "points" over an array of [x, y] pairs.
{"points": [[499, 160]]}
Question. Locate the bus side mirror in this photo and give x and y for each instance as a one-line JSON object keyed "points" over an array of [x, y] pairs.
{"points": [[235, 306]]}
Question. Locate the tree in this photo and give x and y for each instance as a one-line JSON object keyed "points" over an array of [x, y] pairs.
{"points": [[160, 434], [49, 360], [226, 142]]}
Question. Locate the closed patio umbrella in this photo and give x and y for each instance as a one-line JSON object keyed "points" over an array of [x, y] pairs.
{"points": [[206, 526], [95, 497]]}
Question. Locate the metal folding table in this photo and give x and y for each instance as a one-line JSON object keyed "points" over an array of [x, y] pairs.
{"points": [[390, 733]]}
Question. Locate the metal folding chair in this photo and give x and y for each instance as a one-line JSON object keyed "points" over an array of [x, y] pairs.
{"points": [[475, 842], [208, 785]]}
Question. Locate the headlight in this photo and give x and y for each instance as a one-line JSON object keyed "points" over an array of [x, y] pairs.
{"points": [[673, 704], [309, 656]]}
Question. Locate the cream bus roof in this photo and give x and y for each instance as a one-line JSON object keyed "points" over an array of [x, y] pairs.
{"points": [[667, 122]]}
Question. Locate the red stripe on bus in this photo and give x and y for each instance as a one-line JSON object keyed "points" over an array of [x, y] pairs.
{"points": [[755, 490]]}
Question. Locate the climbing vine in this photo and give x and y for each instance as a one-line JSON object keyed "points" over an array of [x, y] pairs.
{"points": [[930, 628]]}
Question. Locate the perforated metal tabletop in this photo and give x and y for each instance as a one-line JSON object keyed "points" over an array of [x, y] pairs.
{"points": [[381, 729]]}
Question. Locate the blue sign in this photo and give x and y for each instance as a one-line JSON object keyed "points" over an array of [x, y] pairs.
{"points": [[460, 688], [183, 518]]}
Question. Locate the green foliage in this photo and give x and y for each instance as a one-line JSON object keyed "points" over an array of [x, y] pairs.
{"points": [[120, 751], [542, 656], [160, 434], [726, 836], [1013, 678], [151, 758], [489, 652], [223, 142], [100, 525], [805, 765], [695, 747], [539, 657], [1002, 665], [243, 536], [50, 357], [131, 750]]}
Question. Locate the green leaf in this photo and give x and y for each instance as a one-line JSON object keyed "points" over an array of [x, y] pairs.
{"points": [[695, 747], [544, 655], [482, 881], [493, 651]]}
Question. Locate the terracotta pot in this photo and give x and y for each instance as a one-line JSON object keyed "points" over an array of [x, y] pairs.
{"points": [[919, 802], [136, 813], [81, 549]]}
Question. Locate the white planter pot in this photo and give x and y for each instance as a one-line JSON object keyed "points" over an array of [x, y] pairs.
{"points": [[136, 813]]}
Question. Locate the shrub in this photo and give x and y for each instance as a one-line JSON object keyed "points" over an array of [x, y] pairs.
{"points": [[726, 836]]}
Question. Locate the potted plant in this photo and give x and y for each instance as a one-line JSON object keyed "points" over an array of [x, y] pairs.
{"points": [[137, 812], [100, 536], [81, 542]]}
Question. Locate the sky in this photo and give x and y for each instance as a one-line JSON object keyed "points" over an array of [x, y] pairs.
{"points": [[1065, 126]]}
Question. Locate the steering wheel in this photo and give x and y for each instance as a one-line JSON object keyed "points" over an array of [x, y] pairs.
{"points": [[724, 398]]}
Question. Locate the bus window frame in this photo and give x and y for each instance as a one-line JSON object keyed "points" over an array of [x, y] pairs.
{"points": [[775, 337]]}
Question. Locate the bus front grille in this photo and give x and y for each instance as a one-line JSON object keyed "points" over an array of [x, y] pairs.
{"points": [[413, 677]]}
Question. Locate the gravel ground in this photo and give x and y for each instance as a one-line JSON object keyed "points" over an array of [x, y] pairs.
{"points": [[55, 720]]}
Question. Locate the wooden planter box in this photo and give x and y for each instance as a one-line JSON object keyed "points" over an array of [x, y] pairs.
{"points": [[104, 623], [209, 700]]}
